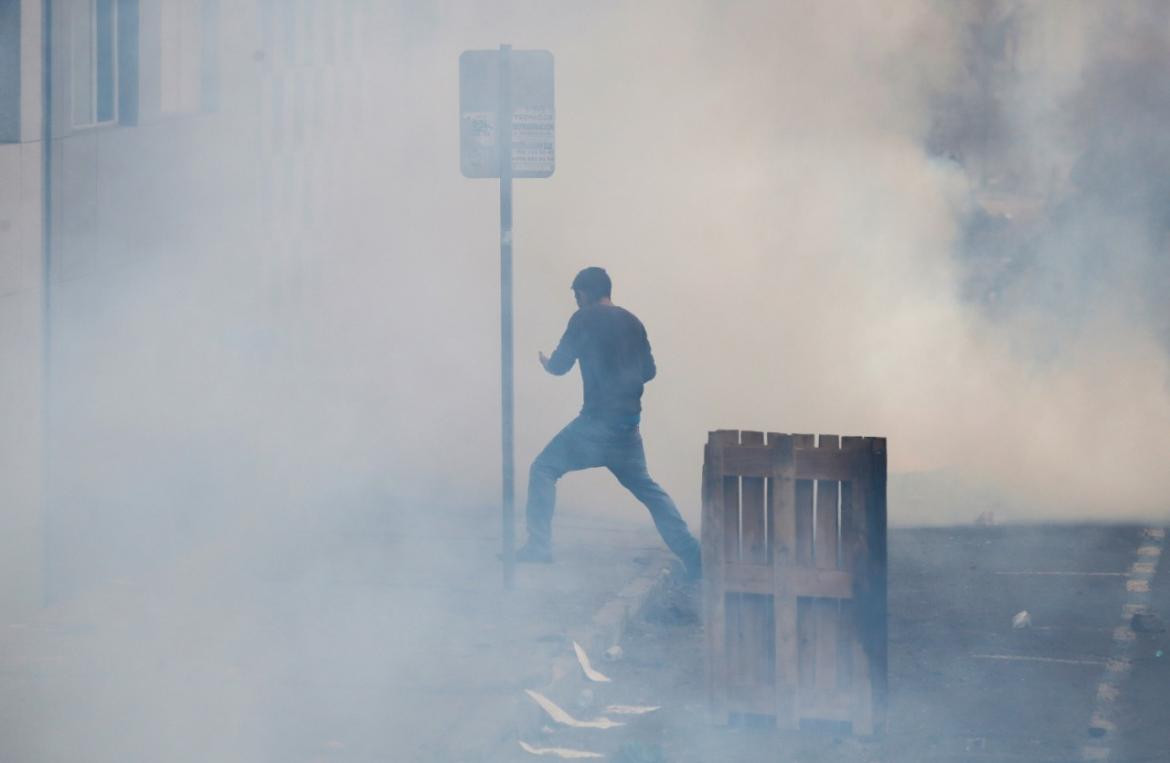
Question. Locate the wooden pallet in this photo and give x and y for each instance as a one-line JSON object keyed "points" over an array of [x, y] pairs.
{"points": [[794, 559]]}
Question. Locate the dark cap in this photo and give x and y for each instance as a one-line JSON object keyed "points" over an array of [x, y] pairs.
{"points": [[594, 282]]}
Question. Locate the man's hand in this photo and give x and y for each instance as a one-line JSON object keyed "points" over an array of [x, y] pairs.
{"points": [[543, 359]]}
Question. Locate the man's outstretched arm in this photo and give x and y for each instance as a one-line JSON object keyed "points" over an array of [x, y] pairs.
{"points": [[649, 370], [565, 355]]}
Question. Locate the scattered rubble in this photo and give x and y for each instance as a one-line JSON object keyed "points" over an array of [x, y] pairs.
{"points": [[560, 752], [631, 709], [586, 667], [558, 714], [1147, 622]]}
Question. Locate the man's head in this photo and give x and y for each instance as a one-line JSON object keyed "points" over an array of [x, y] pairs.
{"points": [[591, 286]]}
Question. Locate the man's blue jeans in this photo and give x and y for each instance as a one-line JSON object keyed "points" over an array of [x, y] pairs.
{"points": [[589, 442]]}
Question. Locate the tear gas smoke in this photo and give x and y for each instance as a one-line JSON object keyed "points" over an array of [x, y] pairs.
{"points": [[939, 223]]}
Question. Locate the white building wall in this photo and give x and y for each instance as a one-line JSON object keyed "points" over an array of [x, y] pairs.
{"points": [[226, 156], [159, 227], [21, 308]]}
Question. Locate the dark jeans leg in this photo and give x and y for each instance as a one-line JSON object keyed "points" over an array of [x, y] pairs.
{"points": [[580, 445], [628, 463]]}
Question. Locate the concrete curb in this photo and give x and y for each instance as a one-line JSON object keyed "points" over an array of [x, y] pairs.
{"points": [[609, 623], [564, 678]]}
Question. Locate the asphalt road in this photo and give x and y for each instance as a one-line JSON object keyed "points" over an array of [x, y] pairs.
{"points": [[383, 643], [1079, 684]]}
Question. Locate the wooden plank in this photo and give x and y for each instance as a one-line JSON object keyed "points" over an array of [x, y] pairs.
{"points": [[828, 464], [806, 648], [751, 460], [816, 647], [717, 650], [755, 614], [709, 540], [733, 648], [745, 641], [847, 637], [875, 632], [782, 528], [855, 558], [750, 650], [804, 506], [803, 581], [752, 513], [760, 649], [805, 625], [826, 613], [825, 534], [825, 705], [853, 541], [781, 501], [852, 669]]}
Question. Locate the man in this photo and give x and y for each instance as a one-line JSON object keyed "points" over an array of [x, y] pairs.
{"points": [[611, 347]]}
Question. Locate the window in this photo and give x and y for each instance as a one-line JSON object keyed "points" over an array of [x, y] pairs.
{"points": [[10, 73], [94, 47]]}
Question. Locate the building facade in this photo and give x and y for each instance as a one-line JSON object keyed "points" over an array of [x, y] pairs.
{"points": [[161, 158]]}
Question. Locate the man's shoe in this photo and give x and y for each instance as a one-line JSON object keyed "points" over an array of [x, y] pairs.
{"points": [[529, 554]]}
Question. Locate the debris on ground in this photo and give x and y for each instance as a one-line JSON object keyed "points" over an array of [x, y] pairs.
{"points": [[560, 752], [631, 709], [586, 667], [1147, 622], [558, 714], [674, 603]]}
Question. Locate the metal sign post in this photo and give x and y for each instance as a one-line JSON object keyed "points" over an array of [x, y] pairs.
{"points": [[506, 131], [508, 419]]}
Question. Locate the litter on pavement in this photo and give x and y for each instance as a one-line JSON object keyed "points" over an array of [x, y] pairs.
{"points": [[632, 709], [560, 752], [590, 673], [559, 715]]}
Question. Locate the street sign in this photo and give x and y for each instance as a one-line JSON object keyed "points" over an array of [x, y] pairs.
{"points": [[514, 88], [532, 113]]}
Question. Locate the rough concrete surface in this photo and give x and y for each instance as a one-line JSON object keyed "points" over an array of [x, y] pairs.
{"points": [[369, 642], [964, 684]]}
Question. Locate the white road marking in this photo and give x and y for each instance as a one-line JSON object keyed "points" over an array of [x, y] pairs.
{"points": [[1137, 587], [1120, 666], [1107, 692], [1069, 573], [1025, 658], [1098, 721]]}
